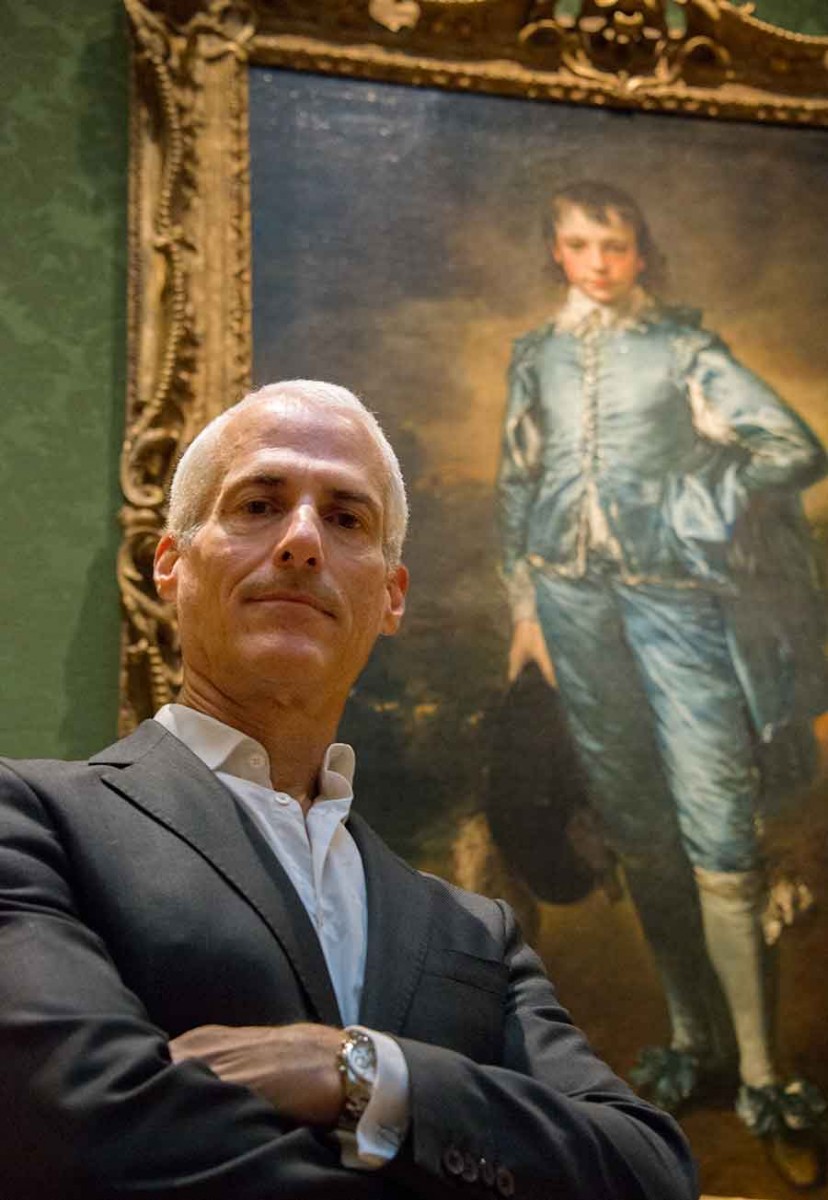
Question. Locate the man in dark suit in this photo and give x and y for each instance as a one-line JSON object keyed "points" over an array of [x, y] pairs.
{"points": [[188, 920]]}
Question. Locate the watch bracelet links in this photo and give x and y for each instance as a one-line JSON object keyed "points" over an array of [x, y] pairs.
{"points": [[356, 1062]]}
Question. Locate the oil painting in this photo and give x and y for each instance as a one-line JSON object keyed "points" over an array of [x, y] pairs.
{"points": [[572, 254], [596, 340]]}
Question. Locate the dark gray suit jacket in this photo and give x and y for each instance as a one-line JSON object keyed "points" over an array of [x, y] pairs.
{"points": [[137, 901]]}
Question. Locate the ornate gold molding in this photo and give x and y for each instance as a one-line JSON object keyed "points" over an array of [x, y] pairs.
{"points": [[619, 53], [189, 294], [189, 275]]}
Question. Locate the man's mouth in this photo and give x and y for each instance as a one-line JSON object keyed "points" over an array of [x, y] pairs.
{"points": [[286, 596]]}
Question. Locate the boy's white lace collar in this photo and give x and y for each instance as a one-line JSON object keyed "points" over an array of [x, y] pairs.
{"points": [[578, 309]]}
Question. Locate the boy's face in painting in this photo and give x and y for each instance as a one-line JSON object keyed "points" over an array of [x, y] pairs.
{"points": [[601, 259]]}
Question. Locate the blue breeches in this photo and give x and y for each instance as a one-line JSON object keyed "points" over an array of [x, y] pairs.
{"points": [[658, 715]]}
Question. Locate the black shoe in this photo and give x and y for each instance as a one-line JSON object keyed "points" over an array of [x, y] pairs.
{"points": [[790, 1121]]}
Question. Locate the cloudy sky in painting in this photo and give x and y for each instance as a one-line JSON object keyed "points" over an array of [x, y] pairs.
{"points": [[398, 247]]}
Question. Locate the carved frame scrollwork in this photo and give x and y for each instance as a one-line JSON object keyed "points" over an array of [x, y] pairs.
{"points": [[189, 259]]}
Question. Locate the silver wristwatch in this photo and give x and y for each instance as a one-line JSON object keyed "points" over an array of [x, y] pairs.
{"points": [[356, 1061]]}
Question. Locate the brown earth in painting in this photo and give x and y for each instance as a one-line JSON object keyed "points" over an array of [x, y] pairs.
{"points": [[601, 966], [594, 951]]}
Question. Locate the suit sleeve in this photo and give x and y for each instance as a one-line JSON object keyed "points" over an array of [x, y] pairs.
{"points": [[90, 1103], [550, 1120]]}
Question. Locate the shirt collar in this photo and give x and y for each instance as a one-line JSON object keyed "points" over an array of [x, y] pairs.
{"points": [[578, 309], [223, 748]]}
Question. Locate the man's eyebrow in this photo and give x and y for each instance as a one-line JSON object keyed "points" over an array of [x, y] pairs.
{"points": [[342, 495], [260, 479], [349, 496]]}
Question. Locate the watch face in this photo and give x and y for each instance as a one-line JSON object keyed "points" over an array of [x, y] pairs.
{"points": [[362, 1057]]}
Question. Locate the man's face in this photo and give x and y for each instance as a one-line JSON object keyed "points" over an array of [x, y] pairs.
{"points": [[285, 582], [602, 260]]}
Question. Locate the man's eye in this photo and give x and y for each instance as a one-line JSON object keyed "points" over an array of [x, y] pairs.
{"points": [[346, 520], [257, 508]]}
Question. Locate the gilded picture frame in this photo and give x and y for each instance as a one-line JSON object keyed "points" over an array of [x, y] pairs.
{"points": [[191, 348], [189, 323]]}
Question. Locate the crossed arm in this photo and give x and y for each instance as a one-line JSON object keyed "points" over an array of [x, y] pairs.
{"points": [[293, 1067], [555, 1116], [102, 1105]]}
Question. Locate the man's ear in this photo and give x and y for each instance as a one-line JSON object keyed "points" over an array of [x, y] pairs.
{"points": [[396, 588], [165, 568]]}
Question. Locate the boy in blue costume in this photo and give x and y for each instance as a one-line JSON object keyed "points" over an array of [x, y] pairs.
{"points": [[659, 569]]}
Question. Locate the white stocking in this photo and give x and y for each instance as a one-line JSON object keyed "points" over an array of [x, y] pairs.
{"points": [[731, 904]]}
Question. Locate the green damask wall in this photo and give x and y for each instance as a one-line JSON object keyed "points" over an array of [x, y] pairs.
{"points": [[62, 216], [62, 283]]}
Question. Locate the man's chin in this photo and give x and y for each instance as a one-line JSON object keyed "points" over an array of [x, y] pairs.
{"points": [[292, 658]]}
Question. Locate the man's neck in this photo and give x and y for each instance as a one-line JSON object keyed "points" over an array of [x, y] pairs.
{"points": [[295, 736]]}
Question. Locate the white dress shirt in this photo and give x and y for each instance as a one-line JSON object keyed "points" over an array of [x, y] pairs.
{"points": [[323, 863]]}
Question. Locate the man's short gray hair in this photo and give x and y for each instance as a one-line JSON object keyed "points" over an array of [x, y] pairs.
{"points": [[199, 470]]}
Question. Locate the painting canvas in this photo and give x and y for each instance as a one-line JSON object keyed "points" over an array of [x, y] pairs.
{"points": [[405, 244]]}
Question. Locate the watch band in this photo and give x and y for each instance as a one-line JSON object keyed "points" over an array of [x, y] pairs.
{"points": [[356, 1061]]}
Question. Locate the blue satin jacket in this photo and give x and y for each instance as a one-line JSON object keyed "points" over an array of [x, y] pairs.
{"points": [[689, 466]]}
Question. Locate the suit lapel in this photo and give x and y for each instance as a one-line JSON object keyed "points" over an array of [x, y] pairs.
{"points": [[162, 777], [399, 917]]}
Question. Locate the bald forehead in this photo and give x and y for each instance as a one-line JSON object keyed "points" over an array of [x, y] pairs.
{"points": [[281, 433], [273, 420]]}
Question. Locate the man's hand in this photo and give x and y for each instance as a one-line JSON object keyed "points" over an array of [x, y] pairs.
{"points": [[292, 1066], [528, 645]]}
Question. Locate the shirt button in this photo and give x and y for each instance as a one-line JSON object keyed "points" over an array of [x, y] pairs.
{"points": [[282, 798], [257, 760], [453, 1160]]}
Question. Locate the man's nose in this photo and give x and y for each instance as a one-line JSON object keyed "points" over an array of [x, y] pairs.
{"points": [[301, 541]]}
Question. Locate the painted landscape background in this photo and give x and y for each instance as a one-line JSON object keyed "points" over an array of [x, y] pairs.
{"points": [[398, 250]]}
